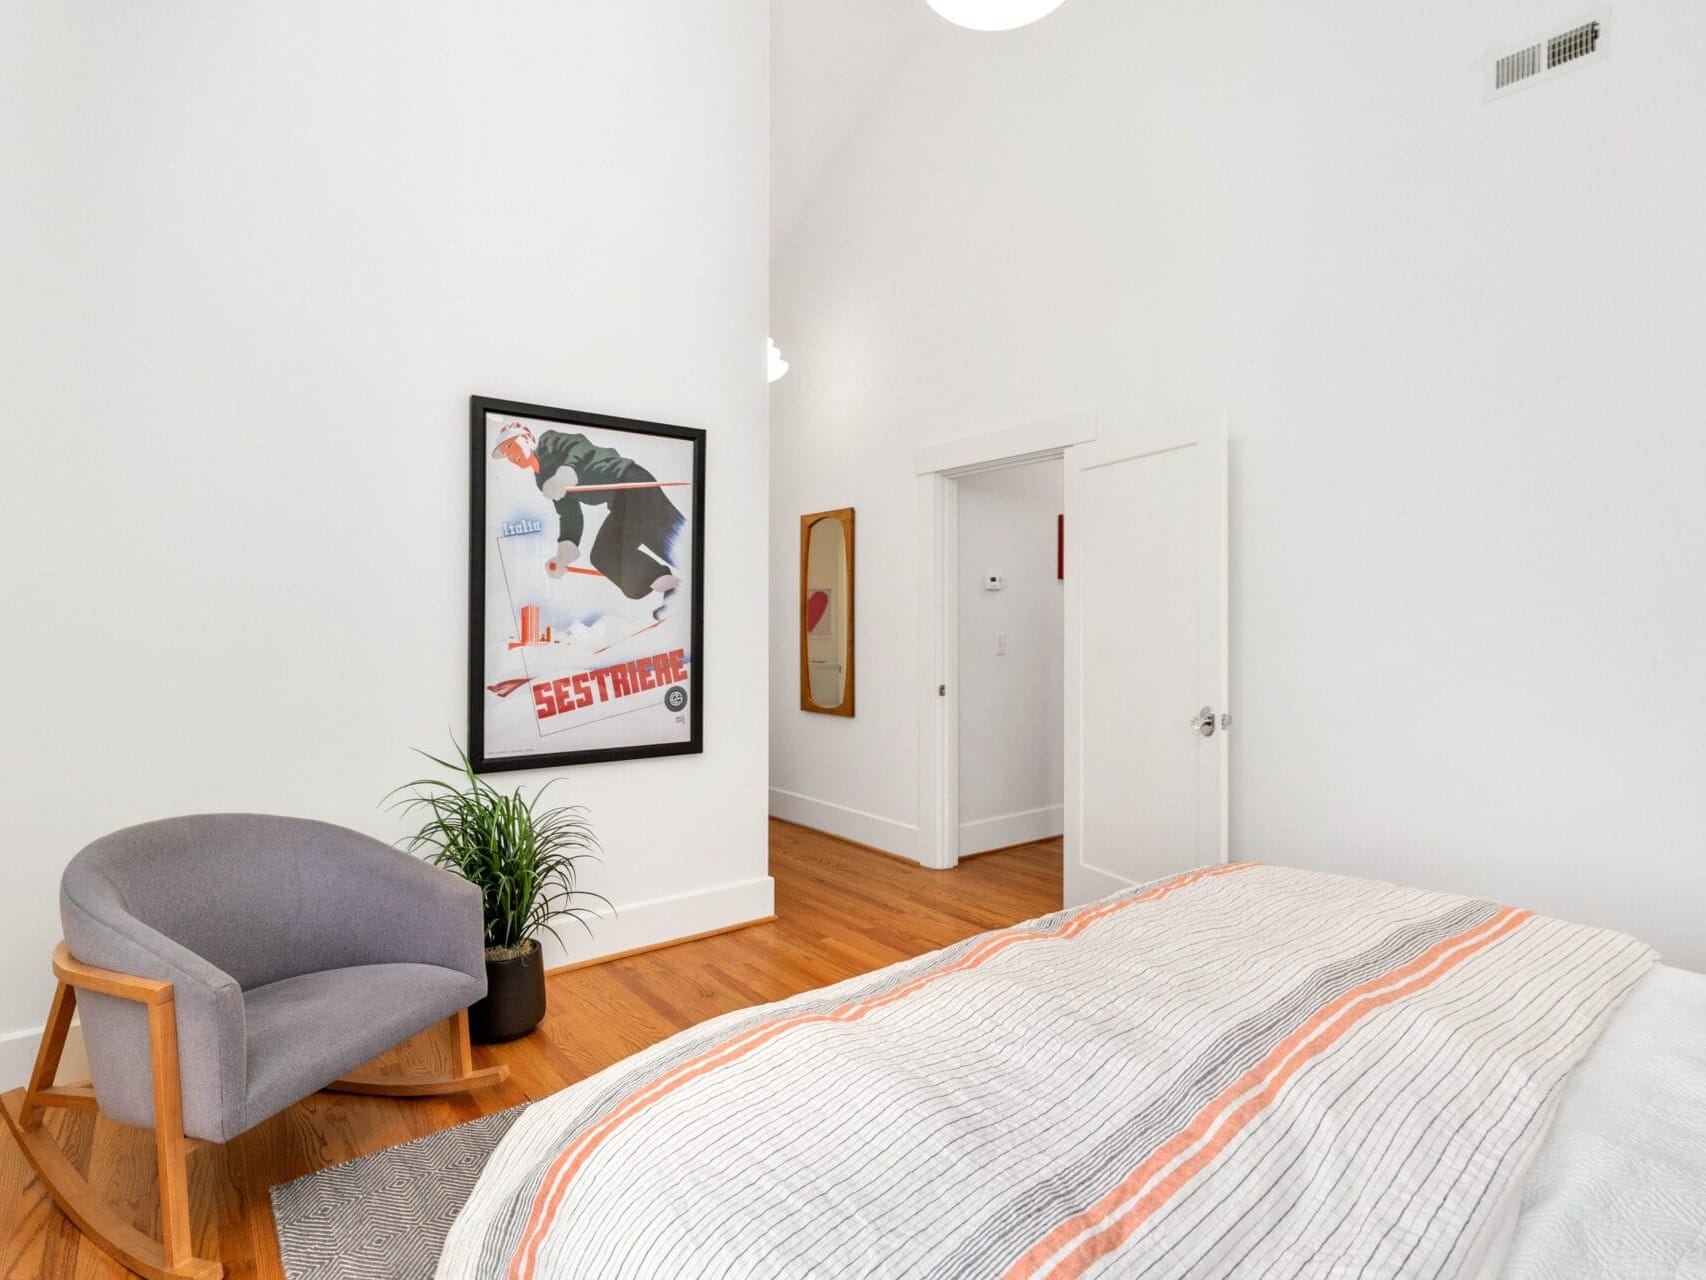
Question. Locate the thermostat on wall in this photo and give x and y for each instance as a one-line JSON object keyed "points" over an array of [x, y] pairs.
{"points": [[994, 581]]}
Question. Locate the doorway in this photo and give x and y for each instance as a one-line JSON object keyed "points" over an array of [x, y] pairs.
{"points": [[1009, 617], [1145, 672]]}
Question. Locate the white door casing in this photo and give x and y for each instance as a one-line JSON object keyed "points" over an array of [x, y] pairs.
{"points": [[1146, 650], [938, 467]]}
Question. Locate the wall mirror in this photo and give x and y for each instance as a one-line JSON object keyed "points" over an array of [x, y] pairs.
{"points": [[826, 612]]}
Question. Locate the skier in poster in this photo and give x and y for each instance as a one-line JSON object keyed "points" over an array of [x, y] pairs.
{"points": [[568, 467]]}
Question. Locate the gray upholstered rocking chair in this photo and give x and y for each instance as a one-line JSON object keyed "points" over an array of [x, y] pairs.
{"points": [[227, 966]]}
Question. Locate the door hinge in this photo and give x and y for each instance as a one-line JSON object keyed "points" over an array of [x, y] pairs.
{"points": [[941, 691]]}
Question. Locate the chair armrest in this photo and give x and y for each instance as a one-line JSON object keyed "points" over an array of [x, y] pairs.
{"points": [[115, 958], [108, 982]]}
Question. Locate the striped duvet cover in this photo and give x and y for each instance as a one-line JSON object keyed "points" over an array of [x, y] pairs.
{"points": [[1243, 1071]]}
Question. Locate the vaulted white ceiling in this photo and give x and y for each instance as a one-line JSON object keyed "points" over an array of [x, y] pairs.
{"points": [[829, 60]]}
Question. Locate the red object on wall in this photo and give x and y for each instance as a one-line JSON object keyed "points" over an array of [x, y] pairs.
{"points": [[1060, 547], [817, 604]]}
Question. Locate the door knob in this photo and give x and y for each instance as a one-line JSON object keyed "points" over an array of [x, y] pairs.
{"points": [[1203, 722]]}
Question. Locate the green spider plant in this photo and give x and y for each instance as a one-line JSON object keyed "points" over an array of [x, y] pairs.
{"points": [[523, 859]]}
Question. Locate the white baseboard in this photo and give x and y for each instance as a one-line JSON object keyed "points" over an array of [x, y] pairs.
{"points": [[1011, 828], [638, 925], [662, 920], [850, 824], [18, 1056]]}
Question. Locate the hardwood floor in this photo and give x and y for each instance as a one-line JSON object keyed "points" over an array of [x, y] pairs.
{"points": [[841, 910]]}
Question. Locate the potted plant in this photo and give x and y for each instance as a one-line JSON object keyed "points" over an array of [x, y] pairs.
{"points": [[524, 859]]}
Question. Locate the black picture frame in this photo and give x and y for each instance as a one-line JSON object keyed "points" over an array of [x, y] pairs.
{"points": [[480, 460]]}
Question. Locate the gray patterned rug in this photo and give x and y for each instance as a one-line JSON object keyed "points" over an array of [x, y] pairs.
{"points": [[384, 1216]]}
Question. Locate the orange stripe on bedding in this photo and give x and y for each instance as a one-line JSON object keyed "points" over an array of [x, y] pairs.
{"points": [[1111, 1221], [574, 1157]]}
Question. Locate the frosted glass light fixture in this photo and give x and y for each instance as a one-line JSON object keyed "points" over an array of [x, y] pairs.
{"points": [[778, 366], [994, 15]]}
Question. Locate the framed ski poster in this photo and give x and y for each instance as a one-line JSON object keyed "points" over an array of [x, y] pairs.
{"points": [[586, 557]]}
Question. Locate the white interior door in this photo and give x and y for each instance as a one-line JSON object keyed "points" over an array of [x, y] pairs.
{"points": [[1145, 655]]}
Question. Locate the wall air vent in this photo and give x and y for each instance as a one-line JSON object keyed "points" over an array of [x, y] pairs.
{"points": [[1544, 58], [1518, 66], [1572, 45]]}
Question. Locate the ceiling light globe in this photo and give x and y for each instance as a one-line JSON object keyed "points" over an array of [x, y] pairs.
{"points": [[994, 15]]}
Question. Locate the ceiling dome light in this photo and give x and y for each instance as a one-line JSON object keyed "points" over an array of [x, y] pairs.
{"points": [[778, 366], [993, 15]]}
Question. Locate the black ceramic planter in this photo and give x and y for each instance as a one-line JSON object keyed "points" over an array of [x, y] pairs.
{"points": [[515, 998]]}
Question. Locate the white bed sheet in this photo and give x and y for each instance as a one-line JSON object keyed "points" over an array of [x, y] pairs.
{"points": [[1618, 1189]]}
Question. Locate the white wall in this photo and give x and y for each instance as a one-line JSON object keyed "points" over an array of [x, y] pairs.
{"points": [[1012, 739], [1458, 345], [254, 260]]}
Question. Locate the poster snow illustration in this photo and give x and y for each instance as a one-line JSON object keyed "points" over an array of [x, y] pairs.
{"points": [[586, 556]]}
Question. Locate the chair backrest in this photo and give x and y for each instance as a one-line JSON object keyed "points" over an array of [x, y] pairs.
{"points": [[237, 889]]}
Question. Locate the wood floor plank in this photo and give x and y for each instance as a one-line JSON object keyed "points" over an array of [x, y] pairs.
{"points": [[841, 911]]}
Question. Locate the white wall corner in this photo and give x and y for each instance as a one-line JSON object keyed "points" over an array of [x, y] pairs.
{"points": [[659, 921], [850, 824], [1008, 829]]}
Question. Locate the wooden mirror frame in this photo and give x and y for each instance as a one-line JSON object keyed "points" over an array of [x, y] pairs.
{"points": [[844, 517]]}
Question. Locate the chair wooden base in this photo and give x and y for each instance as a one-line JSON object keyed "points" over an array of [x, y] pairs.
{"points": [[171, 1257], [80, 1202], [464, 1079], [418, 1086]]}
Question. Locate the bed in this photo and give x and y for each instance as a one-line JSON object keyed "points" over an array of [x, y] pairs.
{"points": [[1619, 1185], [1246, 1070]]}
